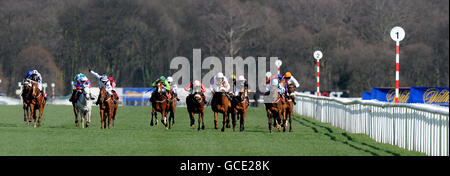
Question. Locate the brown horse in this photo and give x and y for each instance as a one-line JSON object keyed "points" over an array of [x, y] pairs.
{"points": [[159, 104], [239, 109], [37, 103], [108, 109], [221, 104], [290, 106], [26, 97], [172, 107], [275, 109], [196, 105]]}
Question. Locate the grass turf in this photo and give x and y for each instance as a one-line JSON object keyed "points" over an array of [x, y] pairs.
{"points": [[132, 135]]}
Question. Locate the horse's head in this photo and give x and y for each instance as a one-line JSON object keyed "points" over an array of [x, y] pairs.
{"points": [[85, 92], [160, 86], [291, 91], [198, 97], [35, 92], [103, 94]]}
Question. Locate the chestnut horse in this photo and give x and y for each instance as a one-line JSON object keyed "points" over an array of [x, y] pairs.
{"points": [[159, 104], [289, 108], [196, 105], [221, 104], [274, 109], [239, 109], [37, 103], [108, 109]]}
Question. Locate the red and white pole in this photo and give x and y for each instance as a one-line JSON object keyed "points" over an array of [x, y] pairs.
{"points": [[397, 70], [318, 55], [318, 78], [397, 34]]}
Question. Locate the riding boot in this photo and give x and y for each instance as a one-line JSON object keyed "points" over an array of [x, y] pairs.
{"points": [[176, 96], [73, 96]]}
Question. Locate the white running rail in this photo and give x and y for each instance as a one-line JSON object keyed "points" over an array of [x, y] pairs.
{"points": [[418, 127]]}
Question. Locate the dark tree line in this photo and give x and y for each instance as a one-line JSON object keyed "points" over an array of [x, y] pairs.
{"points": [[134, 40]]}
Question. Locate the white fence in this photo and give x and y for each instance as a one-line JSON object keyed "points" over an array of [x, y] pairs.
{"points": [[418, 127]]}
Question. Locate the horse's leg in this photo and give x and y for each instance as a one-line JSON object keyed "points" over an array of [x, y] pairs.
{"points": [[269, 117], [215, 121], [152, 113], [88, 116], [191, 116], [279, 120], [233, 119], [41, 112], [75, 111], [33, 113], [242, 116], [199, 120], [83, 119], [25, 110], [102, 113], [114, 114], [224, 121], [110, 113]]}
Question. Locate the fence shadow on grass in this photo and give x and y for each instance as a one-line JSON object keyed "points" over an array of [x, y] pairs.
{"points": [[334, 136]]}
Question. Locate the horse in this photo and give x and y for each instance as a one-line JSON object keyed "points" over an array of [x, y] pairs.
{"points": [[239, 109], [196, 105], [159, 104], [275, 109], [108, 109], [221, 104], [289, 108], [172, 107], [83, 106], [37, 103], [26, 98]]}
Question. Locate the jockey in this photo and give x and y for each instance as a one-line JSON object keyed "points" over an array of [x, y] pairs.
{"points": [[289, 79], [166, 86], [80, 82], [277, 83], [240, 85], [220, 82], [193, 87], [104, 81], [173, 87]]}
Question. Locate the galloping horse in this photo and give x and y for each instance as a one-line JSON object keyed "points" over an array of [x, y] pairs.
{"points": [[159, 104], [196, 105], [37, 103], [107, 108], [239, 109], [172, 107], [275, 109], [289, 108], [83, 106], [26, 97], [221, 104]]}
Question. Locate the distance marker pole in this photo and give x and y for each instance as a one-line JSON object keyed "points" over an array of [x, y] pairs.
{"points": [[397, 34], [318, 55]]}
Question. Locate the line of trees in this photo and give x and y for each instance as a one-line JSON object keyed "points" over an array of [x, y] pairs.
{"points": [[134, 40]]}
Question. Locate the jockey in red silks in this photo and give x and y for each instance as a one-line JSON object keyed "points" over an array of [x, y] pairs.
{"points": [[194, 87], [105, 81]]}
